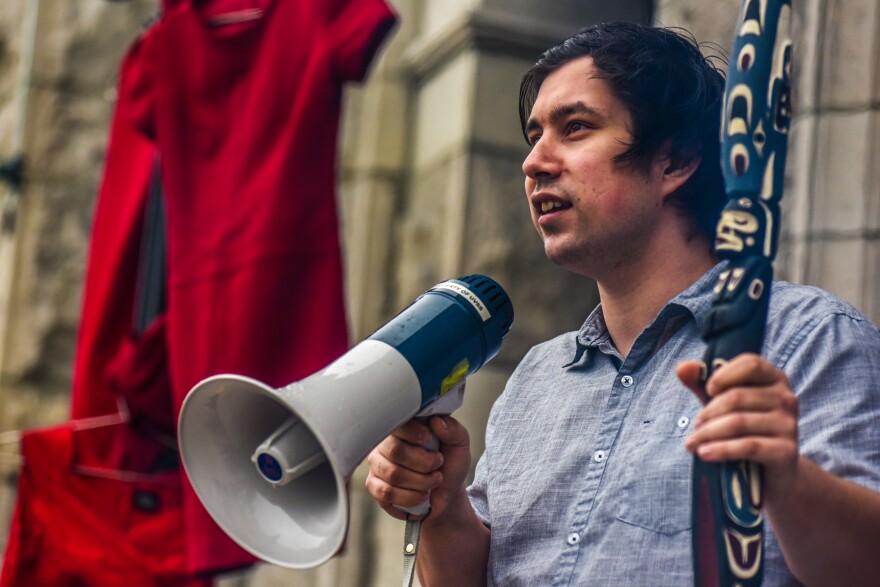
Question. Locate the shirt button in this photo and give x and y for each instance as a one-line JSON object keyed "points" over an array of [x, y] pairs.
{"points": [[683, 422], [573, 539], [626, 380], [599, 456]]}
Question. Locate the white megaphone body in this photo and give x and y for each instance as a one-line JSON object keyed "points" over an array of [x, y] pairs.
{"points": [[271, 465]]}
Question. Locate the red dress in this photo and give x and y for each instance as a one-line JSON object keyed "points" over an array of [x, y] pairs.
{"points": [[242, 98]]}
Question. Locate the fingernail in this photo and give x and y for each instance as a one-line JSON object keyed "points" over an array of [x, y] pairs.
{"points": [[705, 452], [438, 462], [444, 424]]}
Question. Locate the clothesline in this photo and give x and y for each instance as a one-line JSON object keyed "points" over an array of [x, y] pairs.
{"points": [[13, 437]]}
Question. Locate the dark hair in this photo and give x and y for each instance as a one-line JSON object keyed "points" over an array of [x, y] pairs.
{"points": [[673, 93]]}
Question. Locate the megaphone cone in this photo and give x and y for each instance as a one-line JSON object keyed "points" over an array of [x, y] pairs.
{"points": [[271, 465]]}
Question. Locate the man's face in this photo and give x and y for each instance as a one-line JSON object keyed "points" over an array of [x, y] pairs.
{"points": [[594, 215]]}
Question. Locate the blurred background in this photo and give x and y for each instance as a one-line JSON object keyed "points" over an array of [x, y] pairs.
{"points": [[429, 187]]}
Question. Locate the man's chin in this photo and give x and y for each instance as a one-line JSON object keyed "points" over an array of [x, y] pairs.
{"points": [[566, 257]]}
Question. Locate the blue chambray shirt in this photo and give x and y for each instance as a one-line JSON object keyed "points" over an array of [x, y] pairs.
{"points": [[585, 479]]}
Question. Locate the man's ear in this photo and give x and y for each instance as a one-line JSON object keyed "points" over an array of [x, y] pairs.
{"points": [[676, 173]]}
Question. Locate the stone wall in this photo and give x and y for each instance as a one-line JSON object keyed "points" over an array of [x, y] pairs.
{"points": [[831, 207]]}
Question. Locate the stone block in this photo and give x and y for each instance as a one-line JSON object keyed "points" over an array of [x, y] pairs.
{"points": [[837, 265], [370, 210], [807, 30], [377, 141], [418, 235], [51, 153], [872, 209], [496, 110], [709, 22], [870, 303], [571, 16], [797, 199], [438, 16], [840, 173], [849, 31], [444, 106], [800, 171], [83, 42]]}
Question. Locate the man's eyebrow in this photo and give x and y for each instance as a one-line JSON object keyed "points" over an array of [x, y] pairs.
{"points": [[562, 112]]}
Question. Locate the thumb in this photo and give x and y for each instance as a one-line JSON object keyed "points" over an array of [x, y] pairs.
{"points": [[691, 375], [450, 432], [455, 446]]}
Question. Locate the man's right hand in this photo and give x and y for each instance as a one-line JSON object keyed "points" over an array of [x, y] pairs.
{"points": [[403, 473]]}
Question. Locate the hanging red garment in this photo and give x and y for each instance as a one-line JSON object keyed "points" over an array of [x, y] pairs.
{"points": [[112, 270], [243, 98], [72, 527]]}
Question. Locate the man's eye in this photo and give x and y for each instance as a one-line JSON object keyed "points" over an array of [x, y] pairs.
{"points": [[577, 127], [533, 139]]}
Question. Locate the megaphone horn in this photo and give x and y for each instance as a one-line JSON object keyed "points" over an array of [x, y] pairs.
{"points": [[271, 465]]}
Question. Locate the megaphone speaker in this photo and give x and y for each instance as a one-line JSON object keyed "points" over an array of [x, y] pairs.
{"points": [[271, 465]]}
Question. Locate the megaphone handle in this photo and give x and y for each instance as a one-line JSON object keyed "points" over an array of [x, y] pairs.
{"points": [[433, 443], [443, 406]]}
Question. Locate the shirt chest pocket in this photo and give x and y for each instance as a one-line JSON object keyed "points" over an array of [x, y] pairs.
{"points": [[655, 491]]}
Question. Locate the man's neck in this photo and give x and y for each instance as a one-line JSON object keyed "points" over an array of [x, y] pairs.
{"points": [[633, 298]]}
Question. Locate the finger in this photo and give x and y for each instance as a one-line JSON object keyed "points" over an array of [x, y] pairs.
{"points": [[748, 399], [691, 374], [410, 456], [388, 495], [402, 477], [414, 432], [450, 432], [747, 369], [770, 452], [744, 424]]}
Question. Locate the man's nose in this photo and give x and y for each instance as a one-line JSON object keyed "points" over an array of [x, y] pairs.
{"points": [[542, 160]]}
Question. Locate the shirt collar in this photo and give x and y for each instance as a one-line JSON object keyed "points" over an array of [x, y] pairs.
{"points": [[696, 299]]}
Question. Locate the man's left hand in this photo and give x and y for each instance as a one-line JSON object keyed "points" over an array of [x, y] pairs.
{"points": [[751, 415]]}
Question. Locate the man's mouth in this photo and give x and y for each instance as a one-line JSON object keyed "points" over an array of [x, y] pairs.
{"points": [[549, 205]]}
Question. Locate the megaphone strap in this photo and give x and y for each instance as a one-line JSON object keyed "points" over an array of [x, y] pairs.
{"points": [[411, 533]]}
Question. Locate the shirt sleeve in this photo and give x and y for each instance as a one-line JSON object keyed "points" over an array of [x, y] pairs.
{"points": [[833, 365], [477, 492], [355, 34]]}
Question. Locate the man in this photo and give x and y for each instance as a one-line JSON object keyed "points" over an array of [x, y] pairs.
{"points": [[586, 474]]}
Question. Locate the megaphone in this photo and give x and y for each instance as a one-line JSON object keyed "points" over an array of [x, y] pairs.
{"points": [[271, 465]]}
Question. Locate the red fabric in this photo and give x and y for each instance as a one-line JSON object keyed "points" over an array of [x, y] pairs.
{"points": [[111, 276], [111, 365], [245, 116], [138, 378], [72, 530]]}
